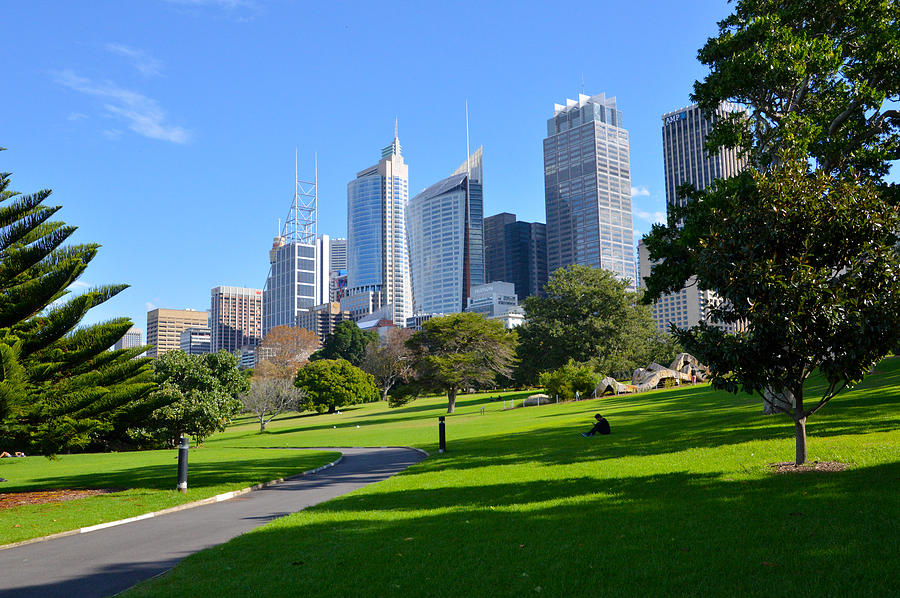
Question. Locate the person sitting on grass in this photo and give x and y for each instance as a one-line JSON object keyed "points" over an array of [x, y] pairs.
{"points": [[602, 426]]}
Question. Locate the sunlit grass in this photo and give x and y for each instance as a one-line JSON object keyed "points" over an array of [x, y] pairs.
{"points": [[679, 500]]}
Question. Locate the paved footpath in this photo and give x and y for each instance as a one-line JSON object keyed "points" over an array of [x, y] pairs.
{"points": [[105, 562]]}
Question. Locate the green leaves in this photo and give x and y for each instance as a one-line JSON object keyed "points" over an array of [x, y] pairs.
{"points": [[333, 383]]}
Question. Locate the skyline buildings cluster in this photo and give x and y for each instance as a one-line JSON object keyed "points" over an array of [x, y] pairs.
{"points": [[407, 259]]}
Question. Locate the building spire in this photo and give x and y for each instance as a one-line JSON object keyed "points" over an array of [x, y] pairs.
{"points": [[394, 148], [396, 128]]}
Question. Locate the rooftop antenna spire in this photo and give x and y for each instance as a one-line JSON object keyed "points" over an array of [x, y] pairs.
{"points": [[582, 83], [300, 225], [396, 128]]}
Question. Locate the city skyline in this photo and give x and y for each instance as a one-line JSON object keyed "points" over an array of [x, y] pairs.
{"points": [[161, 125]]}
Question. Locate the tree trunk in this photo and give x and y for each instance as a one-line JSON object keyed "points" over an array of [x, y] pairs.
{"points": [[451, 400], [800, 430], [331, 408], [262, 425], [384, 393]]}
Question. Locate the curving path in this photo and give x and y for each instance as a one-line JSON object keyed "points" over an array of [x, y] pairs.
{"points": [[105, 562]]}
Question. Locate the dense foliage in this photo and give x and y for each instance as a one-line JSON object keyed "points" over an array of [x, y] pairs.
{"points": [[60, 388], [348, 341], [588, 316], [569, 379], [461, 351], [202, 392], [284, 350], [802, 245], [333, 383]]}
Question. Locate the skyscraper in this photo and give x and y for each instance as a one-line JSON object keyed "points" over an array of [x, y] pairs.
{"points": [[131, 339], [516, 252], [291, 284], [235, 318], [377, 247], [686, 161], [164, 328], [587, 186], [446, 240]]}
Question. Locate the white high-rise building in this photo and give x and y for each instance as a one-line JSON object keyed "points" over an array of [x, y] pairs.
{"points": [[131, 339], [293, 281], [377, 246], [686, 161], [446, 240], [235, 318]]}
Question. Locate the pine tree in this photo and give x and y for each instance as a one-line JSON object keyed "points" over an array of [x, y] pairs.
{"points": [[60, 388]]}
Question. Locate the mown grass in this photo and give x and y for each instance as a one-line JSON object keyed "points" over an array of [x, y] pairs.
{"points": [[146, 479], [679, 500]]}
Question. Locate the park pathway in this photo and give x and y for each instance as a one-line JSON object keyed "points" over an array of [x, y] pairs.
{"points": [[105, 562]]}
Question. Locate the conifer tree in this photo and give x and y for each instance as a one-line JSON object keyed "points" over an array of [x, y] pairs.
{"points": [[60, 388]]}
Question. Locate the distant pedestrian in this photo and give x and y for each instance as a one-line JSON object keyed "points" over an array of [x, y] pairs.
{"points": [[602, 427]]}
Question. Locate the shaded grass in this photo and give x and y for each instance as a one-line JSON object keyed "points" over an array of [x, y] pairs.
{"points": [[148, 479], [679, 500]]}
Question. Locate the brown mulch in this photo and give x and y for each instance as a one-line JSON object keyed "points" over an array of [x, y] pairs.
{"points": [[17, 499], [790, 467]]}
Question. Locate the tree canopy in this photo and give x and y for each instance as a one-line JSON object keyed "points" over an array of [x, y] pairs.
{"points": [[270, 396], [390, 363], [202, 392], [800, 246], [460, 351], [348, 341], [284, 350], [587, 315], [333, 383], [60, 388]]}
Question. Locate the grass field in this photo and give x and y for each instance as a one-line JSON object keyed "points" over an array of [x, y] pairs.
{"points": [[147, 480], [679, 500]]}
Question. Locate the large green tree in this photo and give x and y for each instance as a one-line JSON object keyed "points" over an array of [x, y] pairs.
{"points": [[202, 392], [333, 383], [348, 341], [461, 351], [801, 246], [586, 315], [60, 388]]}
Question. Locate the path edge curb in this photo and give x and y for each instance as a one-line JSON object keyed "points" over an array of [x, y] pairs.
{"points": [[183, 507]]}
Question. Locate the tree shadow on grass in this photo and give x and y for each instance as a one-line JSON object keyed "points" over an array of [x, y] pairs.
{"points": [[665, 534]]}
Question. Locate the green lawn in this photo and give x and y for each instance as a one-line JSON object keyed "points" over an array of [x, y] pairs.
{"points": [[679, 500], [147, 480]]}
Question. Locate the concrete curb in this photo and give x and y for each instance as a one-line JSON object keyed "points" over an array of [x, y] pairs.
{"points": [[185, 506]]}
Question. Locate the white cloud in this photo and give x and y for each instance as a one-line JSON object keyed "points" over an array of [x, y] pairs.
{"points": [[140, 60], [223, 4], [149, 306], [143, 115], [651, 217], [73, 116], [640, 191], [78, 284]]}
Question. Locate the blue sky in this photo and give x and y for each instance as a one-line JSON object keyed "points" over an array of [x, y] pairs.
{"points": [[167, 128]]}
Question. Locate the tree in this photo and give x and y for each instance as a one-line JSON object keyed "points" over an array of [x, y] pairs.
{"points": [[284, 350], [569, 379], [460, 351], [389, 363], [268, 397], [333, 383], [586, 316], [203, 393], [60, 389], [348, 341], [801, 246]]}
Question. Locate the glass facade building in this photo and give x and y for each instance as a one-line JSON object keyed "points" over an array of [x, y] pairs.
{"points": [[291, 284], [377, 245], [446, 240], [685, 159], [516, 252], [587, 186]]}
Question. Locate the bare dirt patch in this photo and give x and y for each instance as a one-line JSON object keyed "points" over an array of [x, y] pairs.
{"points": [[17, 499], [825, 466]]}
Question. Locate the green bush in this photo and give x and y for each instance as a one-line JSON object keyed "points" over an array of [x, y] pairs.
{"points": [[569, 379]]}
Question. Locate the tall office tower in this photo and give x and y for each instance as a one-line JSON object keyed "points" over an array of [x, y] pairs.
{"points": [[686, 161], [446, 242], [164, 328], [377, 251], [195, 341], [338, 256], [587, 186], [516, 252], [291, 283], [131, 339], [235, 318], [322, 319]]}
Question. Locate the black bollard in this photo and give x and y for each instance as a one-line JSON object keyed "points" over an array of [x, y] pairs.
{"points": [[442, 437], [182, 464]]}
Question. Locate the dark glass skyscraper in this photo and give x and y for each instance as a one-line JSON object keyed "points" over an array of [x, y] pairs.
{"points": [[587, 185], [516, 252]]}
